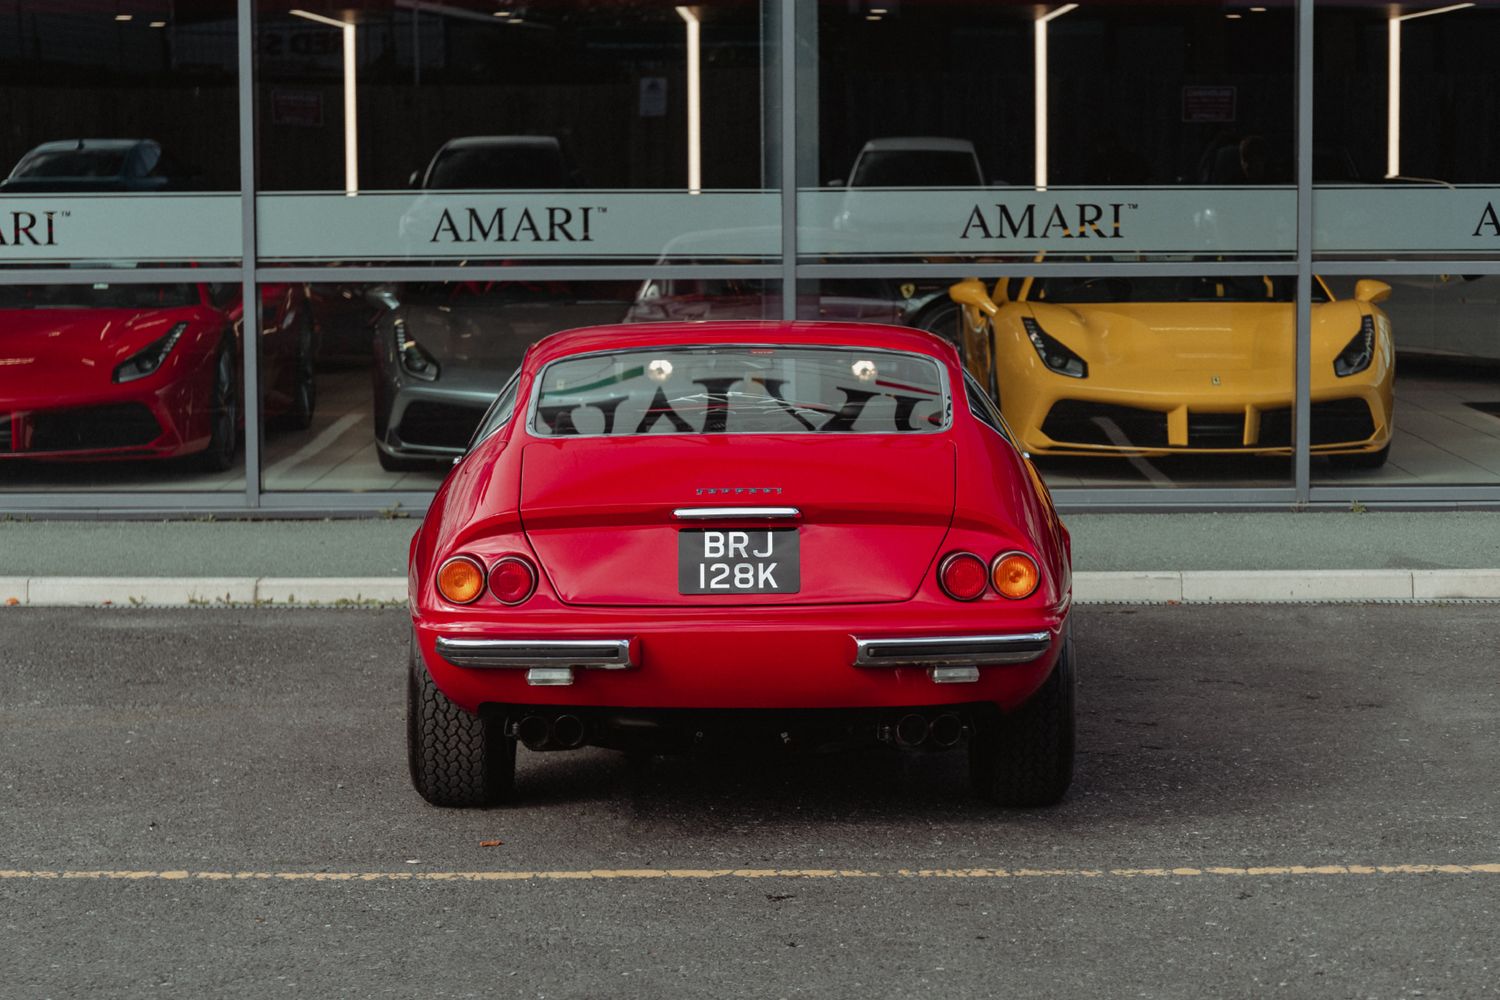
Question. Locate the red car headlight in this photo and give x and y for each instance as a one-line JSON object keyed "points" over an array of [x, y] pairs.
{"points": [[149, 358]]}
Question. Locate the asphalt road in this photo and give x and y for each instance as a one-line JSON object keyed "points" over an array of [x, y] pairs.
{"points": [[1259, 792]]}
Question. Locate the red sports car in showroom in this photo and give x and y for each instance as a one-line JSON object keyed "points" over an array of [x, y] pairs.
{"points": [[669, 536], [130, 371]]}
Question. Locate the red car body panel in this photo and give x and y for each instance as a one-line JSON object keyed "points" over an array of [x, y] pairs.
{"points": [[598, 551], [59, 399], [878, 513]]}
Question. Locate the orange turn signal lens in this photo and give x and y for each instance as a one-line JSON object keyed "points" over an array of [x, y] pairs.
{"points": [[1014, 575], [461, 579]]}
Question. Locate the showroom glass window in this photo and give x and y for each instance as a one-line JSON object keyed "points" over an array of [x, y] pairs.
{"points": [[1023, 134], [1406, 94], [119, 157], [566, 131]]}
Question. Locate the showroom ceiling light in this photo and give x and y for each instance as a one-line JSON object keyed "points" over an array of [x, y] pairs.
{"points": [[1393, 83], [1039, 89], [351, 107], [1436, 10], [694, 98], [443, 10]]}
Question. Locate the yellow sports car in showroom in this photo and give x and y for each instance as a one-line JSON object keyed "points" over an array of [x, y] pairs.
{"points": [[1153, 366]]}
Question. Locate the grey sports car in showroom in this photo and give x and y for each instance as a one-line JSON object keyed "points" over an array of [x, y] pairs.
{"points": [[444, 350]]}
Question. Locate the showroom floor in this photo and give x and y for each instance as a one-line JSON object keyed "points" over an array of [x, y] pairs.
{"points": [[1447, 432]]}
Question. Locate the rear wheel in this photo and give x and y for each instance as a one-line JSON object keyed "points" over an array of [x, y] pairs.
{"points": [[223, 415], [456, 759], [1026, 758], [941, 319], [304, 378]]}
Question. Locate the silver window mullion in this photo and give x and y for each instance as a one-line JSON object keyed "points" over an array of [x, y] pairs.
{"points": [[1302, 407], [249, 291], [788, 64]]}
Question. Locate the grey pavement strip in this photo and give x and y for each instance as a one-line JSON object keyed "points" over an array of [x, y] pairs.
{"points": [[1102, 543], [1144, 587]]}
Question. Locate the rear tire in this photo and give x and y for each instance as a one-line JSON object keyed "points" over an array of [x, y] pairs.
{"points": [[456, 759], [223, 415], [304, 378], [941, 319], [1026, 758]]}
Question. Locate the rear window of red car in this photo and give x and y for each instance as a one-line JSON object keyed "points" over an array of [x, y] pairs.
{"points": [[741, 390]]}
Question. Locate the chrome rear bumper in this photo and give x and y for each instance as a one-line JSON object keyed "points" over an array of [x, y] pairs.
{"points": [[524, 654], [951, 651]]}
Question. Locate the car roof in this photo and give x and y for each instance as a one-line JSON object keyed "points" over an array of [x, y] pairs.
{"points": [[632, 336], [930, 143], [59, 145], [511, 141]]}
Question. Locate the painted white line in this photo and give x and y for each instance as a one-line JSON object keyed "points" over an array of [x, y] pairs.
{"points": [[326, 439], [695, 874], [1146, 587]]}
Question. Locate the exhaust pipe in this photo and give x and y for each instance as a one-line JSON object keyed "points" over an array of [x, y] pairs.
{"points": [[946, 730], [534, 731], [910, 731], [567, 732], [556, 732]]}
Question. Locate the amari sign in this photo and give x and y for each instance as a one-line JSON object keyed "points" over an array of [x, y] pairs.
{"points": [[907, 222], [20, 228], [114, 228], [575, 225], [1407, 218]]}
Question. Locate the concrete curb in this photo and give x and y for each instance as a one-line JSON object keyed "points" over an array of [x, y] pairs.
{"points": [[126, 591], [1148, 587]]}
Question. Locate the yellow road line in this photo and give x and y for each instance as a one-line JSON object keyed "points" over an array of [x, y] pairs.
{"points": [[629, 874]]}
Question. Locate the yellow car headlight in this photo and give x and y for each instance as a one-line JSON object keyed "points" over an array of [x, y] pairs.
{"points": [[1054, 353], [1359, 352]]}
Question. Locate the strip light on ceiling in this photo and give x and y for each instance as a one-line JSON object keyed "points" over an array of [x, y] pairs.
{"points": [[1393, 83], [1039, 90], [351, 107], [694, 98]]}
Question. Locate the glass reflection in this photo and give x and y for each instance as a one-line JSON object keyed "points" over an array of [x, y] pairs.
{"points": [[1445, 329], [106, 384], [405, 372]]}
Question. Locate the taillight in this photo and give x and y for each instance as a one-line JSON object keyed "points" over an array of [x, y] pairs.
{"points": [[512, 580], [963, 576], [461, 579], [1014, 575]]}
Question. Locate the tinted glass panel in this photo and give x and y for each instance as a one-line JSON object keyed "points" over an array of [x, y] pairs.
{"points": [[718, 390], [120, 387]]}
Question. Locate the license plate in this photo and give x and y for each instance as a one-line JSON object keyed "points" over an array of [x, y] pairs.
{"points": [[738, 562]]}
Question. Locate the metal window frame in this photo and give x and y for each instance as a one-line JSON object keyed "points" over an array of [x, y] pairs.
{"points": [[783, 20]]}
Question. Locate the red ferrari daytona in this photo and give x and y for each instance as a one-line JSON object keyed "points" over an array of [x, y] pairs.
{"points": [[676, 536]]}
